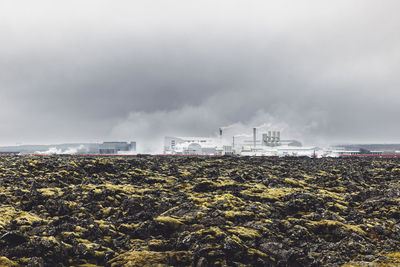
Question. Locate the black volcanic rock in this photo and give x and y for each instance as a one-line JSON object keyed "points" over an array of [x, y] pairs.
{"points": [[198, 211]]}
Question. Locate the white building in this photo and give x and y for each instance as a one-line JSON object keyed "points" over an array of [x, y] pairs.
{"points": [[195, 146], [266, 143]]}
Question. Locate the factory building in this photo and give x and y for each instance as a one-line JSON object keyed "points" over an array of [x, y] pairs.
{"points": [[195, 146], [116, 147], [271, 138], [270, 144], [266, 143]]}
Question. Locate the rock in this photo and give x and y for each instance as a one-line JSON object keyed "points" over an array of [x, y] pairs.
{"points": [[202, 262], [198, 211], [13, 238], [204, 187]]}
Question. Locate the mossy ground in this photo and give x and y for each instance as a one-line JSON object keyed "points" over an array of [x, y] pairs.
{"points": [[182, 211]]}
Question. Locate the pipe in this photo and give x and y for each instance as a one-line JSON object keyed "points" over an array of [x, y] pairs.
{"points": [[255, 136]]}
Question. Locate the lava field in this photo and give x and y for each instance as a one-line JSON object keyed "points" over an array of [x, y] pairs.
{"points": [[199, 211]]}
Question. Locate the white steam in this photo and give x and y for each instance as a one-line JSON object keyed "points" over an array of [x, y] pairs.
{"points": [[59, 151], [149, 129]]}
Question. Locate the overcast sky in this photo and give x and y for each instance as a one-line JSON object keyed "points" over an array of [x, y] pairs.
{"points": [[81, 71]]}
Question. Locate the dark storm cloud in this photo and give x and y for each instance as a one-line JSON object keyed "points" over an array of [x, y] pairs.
{"points": [[93, 70]]}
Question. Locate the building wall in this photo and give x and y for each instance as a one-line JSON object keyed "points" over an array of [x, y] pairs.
{"points": [[115, 147]]}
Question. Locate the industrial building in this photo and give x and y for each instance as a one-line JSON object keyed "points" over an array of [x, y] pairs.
{"points": [[270, 144], [116, 147], [195, 146]]}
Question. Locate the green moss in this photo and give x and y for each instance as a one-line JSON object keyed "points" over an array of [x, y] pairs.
{"points": [[270, 193], [213, 232], [4, 261], [79, 229], [87, 265], [129, 226], [334, 195], [97, 191], [388, 260], [294, 182], [50, 239], [245, 232], [66, 234], [232, 214], [104, 225], [253, 251], [341, 207], [331, 223], [107, 211], [71, 204], [169, 221], [87, 243], [51, 191], [150, 258], [9, 213]]}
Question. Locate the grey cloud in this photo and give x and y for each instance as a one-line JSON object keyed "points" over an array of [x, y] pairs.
{"points": [[323, 72]]}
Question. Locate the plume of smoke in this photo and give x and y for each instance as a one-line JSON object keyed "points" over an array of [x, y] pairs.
{"points": [[50, 151], [242, 135], [59, 151], [149, 129]]}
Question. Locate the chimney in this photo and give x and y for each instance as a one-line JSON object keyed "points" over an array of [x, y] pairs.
{"points": [[254, 136], [278, 137], [274, 137], [269, 138]]}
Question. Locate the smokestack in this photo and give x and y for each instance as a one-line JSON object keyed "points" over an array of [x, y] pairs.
{"points": [[233, 141], [269, 138], [255, 136], [278, 137], [220, 132], [274, 137]]}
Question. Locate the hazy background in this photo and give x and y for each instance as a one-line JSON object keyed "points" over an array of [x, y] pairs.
{"points": [[86, 71]]}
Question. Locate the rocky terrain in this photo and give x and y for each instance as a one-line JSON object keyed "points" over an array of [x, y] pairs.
{"points": [[195, 211]]}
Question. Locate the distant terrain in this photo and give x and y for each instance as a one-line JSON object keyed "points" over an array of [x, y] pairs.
{"points": [[198, 211], [84, 147], [371, 147]]}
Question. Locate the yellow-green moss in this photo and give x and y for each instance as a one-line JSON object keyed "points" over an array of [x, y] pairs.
{"points": [[71, 204], [150, 258], [87, 243], [212, 232], [9, 213], [331, 223], [270, 193], [107, 211], [4, 261], [51, 191], [253, 251], [333, 195], [129, 226], [245, 232], [294, 182], [394, 256], [232, 214], [170, 221]]}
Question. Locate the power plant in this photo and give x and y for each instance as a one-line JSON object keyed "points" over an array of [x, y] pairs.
{"points": [[258, 141], [195, 146], [268, 143]]}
